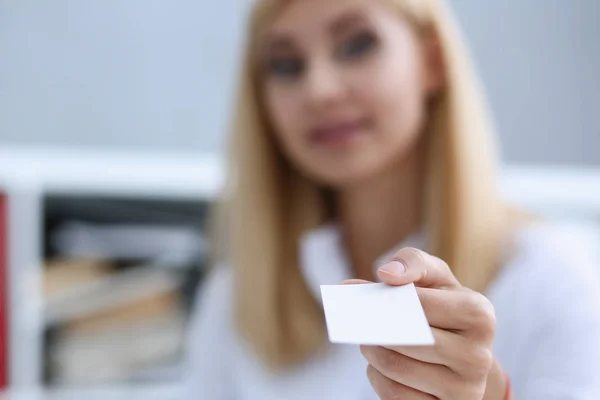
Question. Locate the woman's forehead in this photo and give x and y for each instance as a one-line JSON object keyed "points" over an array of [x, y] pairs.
{"points": [[302, 16]]}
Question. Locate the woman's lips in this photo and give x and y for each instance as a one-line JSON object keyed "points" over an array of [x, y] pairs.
{"points": [[338, 134]]}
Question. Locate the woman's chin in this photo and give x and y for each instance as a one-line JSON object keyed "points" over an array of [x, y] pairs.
{"points": [[340, 176]]}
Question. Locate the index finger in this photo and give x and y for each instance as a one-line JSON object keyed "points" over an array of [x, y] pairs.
{"points": [[410, 265]]}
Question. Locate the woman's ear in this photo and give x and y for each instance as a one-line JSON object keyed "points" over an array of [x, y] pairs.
{"points": [[434, 74]]}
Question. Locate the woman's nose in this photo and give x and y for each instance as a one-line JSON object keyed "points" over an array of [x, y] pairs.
{"points": [[324, 85]]}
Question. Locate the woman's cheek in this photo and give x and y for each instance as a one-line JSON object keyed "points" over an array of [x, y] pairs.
{"points": [[283, 117]]}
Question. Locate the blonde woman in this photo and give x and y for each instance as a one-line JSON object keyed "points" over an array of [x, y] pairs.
{"points": [[361, 149]]}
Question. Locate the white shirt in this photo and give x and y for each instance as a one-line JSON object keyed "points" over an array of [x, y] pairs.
{"points": [[547, 302]]}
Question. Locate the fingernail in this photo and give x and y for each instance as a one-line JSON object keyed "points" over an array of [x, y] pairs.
{"points": [[395, 268]]}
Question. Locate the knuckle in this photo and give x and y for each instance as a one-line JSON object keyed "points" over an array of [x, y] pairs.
{"points": [[442, 264], [387, 360], [485, 359], [393, 362], [439, 346], [371, 373], [384, 390], [480, 313], [411, 256], [478, 361]]}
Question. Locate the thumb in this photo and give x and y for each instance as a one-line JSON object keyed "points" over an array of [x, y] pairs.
{"points": [[355, 282], [411, 265]]}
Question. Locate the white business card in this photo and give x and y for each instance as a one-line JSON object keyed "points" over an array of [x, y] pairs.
{"points": [[375, 314]]}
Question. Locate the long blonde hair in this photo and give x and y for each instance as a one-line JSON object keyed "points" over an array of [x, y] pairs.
{"points": [[269, 206]]}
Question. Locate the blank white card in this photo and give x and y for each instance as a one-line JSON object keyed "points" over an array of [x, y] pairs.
{"points": [[375, 314]]}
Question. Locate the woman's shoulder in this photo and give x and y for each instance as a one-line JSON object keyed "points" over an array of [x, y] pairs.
{"points": [[552, 257], [547, 302], [557, 248]]}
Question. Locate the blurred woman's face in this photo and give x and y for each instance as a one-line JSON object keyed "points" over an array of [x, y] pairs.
{"points": [[344, 84]]}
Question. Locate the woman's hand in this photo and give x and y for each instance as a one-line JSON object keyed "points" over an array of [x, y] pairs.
{"points": [[461, 364]]}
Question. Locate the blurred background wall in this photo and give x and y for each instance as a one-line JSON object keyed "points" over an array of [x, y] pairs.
{"points": [[156, 74]]}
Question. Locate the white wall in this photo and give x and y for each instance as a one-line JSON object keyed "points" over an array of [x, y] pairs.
{"points": [[140, 73], [540, 60], [157, 73]]}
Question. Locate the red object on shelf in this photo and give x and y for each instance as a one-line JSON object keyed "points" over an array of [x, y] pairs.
{"points": [[3, 292]]}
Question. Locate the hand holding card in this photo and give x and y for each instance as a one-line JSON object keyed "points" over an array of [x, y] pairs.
{"points": [[401, 364]]}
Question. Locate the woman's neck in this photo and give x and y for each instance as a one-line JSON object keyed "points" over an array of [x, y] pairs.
{"points": [[377, 214]]}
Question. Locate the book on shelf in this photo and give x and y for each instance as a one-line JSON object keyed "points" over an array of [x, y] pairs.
{"points": [[108, 324], [168, 244]]}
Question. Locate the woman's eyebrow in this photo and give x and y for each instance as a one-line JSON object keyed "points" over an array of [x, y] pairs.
{"points": [[277, 42], [346, 21], [281, 42], [274, 43]]}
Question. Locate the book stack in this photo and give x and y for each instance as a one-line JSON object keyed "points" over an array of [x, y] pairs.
{"points": [[117, 294]]}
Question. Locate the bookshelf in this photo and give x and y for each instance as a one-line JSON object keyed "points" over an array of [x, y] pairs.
{"points": [[37, 182], [69, 183]]}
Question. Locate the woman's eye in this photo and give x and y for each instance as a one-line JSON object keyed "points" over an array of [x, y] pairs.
{"points": [[286, 67], [357, 45]]}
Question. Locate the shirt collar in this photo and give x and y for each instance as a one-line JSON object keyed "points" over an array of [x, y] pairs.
{"points": [[324, 261]]}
